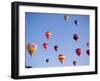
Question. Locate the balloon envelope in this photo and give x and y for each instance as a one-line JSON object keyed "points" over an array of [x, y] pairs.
{"points": [[32, 47], [66, 17], [87, 44], [56, 47], [47, 60], [61, 58], [45, 45], [88, 52], [75, 37], [74, 63], [48, 34], [76, 22], [78, 51]]}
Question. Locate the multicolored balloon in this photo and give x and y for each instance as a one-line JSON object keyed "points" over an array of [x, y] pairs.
{"points": [[78, 51], [31, 47], [48, 35], [88, 52], [45, 45], [56, 48], [75, 37], [61, 58]]}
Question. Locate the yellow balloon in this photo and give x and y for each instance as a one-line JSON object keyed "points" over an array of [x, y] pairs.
{"points": [[31, 47]]}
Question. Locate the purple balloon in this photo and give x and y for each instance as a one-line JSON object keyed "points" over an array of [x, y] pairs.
{"points": [[88, 52]]}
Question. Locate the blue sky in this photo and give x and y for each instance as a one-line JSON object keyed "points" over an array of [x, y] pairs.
{"points": [[36, 24]]}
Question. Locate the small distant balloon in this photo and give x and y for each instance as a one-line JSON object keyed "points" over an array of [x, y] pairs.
{"points": [[78, 51], [56, 47], [87, 44], [88, 52], [74, 63], [66, 17], [48, 35], [76, 22], [61, 58], [47, 60], [31, 47], [45, 45], [75, 37]]}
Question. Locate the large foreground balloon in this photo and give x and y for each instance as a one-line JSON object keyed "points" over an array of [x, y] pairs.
{"points": [[78, 51], [75, 37], [56, 47], [45, 45], [66, 17], [31, 47], [88, 52], [48, 34], [61, 58]]}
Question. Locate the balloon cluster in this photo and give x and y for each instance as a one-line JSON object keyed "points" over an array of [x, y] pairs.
{"points": [[76, 38], [32, 47], [61, 57]]}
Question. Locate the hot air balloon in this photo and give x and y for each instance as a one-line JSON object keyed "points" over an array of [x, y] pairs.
{"points": [[47, 60], [61, 58], [74, 63], [78, 51], [31, 47], [66, 17], [45, 45], [87, 44], [48, 34], [56, 47], [76, 22], [75, 37], [88, 52]]}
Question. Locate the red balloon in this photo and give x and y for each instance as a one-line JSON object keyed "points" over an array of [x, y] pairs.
{"points": [[61, 58], [45, 45], [55, 47], [48, 34], [88, 52], [74, 62], [75, 37], [78, 51]]}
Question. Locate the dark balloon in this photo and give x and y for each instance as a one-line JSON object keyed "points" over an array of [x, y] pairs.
{"points": [[55, 47], [74, 63], [87, 44], [88, 52], [76, 22], [66, 17], [78, 51], [75, 37], [47, 60]]}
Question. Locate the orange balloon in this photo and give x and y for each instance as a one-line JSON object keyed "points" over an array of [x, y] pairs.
{"points": [[31, 47], [61, 58]]}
